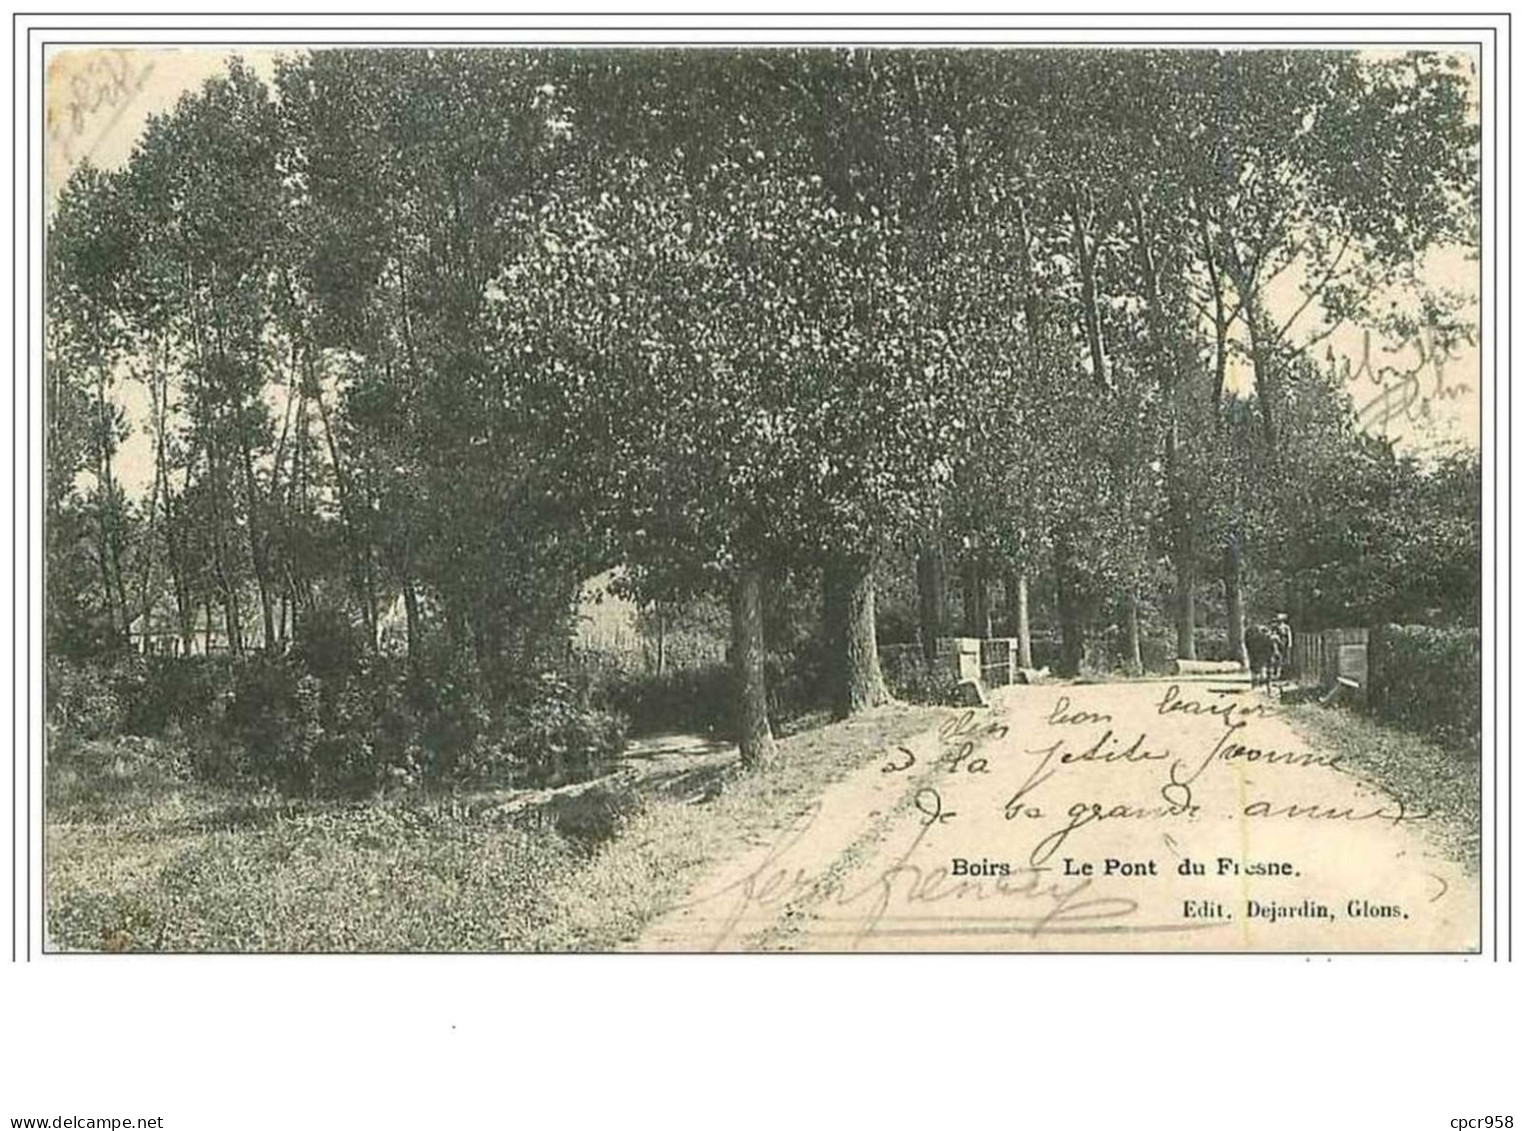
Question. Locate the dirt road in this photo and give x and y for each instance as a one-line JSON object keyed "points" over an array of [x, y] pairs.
{"points": [[1113, 817]]}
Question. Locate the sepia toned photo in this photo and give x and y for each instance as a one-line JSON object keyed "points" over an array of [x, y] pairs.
{"points": [[762, 498]]}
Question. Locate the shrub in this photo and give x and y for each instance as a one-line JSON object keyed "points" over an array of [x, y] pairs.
{"points": [[909, 676], [305, 735], [912, 679], [1212, 644], [384, 722], [1107, 652], [684, 700], [1428, 679], [328, 643], [273, 716], [595, 815], [138, 695], [185, 691], [799, 678], [444, 723], [329, 720], [83, 700], [350, 732], [1047, 651], [550, 735]]}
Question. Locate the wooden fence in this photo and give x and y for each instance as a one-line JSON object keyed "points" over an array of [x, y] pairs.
{"points": [[1321, 658]]}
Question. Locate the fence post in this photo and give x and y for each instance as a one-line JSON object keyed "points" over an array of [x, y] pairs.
{"points": [[1375, 665]]}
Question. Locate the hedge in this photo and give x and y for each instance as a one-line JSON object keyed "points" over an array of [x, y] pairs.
{"points": [[333, 724], [1429, 680]]}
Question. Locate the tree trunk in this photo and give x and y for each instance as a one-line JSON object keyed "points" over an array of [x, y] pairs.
{"points": [[414, 628], [931, 581], [976, 598], [1220, 318], [1133, 639], [293, 603], [1085, 255], [1073, 633], [232, 613], [185, 608], [1232, 576], [359, 544], [1023, 622], [748, 667], [852, 624], [117, 585], [185, 604], [232, 616], [1071, 629], [185, 611], [1184, 554], [1166, 357], [257, 548], [1266, 379], [1185, 610], [108, 517], [1031, 301], [147, 599], [103, 559]]}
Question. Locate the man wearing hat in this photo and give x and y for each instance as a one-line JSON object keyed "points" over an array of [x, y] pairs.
{"points": [[1282, 630]]}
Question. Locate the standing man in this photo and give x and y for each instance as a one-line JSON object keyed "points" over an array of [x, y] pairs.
{"points": [[1283, 638]]}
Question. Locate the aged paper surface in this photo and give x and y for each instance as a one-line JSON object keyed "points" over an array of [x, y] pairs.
{"points": [[1146, 816], [300, 340]]}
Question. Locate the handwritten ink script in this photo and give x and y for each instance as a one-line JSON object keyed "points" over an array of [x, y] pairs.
{"points": [[1409, 388], [87, 93], [1131, 816]]}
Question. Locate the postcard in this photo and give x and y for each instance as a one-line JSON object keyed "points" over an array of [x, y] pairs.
{"points": [[856, 497]]}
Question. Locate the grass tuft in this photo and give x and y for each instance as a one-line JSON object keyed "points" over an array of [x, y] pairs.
{"points": [[1447, 781], [142, 857]]}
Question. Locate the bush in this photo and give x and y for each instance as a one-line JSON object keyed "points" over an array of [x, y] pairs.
{"points": [[691, 699], [550, 735], [1047, 651], [909, 677], [1428, 680], [184, 691], [386, 723], [799, 677], [272, 715], [443, 725], [138, 695], [1212, 644], [328, 643], [595, 815], [1106, 653], [329, 720], [306, 735], [83, 700]]}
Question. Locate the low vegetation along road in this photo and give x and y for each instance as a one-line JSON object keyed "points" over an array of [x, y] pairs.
{"points": [[1101, 817], [1161, 816]]}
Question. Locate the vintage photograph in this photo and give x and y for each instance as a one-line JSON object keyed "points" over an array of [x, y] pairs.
{"points": [[837, 498]]}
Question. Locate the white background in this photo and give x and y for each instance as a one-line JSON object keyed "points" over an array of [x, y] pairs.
{"points": [[739, 1041]]}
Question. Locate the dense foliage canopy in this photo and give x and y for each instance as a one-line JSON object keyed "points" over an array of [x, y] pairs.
{"points": [[452, 331]]}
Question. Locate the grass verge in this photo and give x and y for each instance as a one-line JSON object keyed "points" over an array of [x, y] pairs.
{"points": [[140, 858], [1420, 771]]}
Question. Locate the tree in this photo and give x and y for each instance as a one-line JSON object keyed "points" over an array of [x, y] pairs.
{"points": [[415, 288], [205, 185], [88, 336]]}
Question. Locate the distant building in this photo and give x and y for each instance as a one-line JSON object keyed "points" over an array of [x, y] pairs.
{"points": [[158, 634]]}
